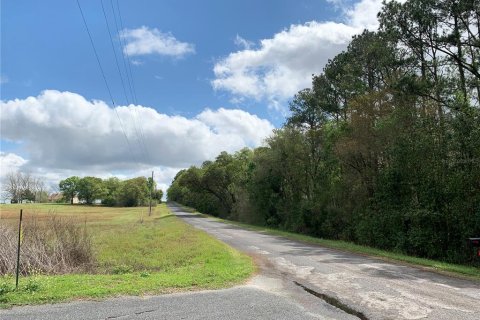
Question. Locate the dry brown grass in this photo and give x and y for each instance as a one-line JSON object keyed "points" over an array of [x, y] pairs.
{"points": [[51, 244]]}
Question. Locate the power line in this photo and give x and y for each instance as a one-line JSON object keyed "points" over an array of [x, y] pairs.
{"points": [[140, 137], [129, 63], [126, 53], [114, 52], [129, 80], [121, 78], [104, 77]]}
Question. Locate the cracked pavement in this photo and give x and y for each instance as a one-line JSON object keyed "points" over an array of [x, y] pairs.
{"points": [[370, 287], [295, 281]]}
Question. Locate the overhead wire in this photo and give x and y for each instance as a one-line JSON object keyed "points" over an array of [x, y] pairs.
{"points": [[129, 79], [129, 72], [114, 52], [104, 78], [139, 133], [140, 146], [126, 53]]}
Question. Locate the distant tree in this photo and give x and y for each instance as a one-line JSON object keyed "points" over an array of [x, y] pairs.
{"points": [[176, 192], [152, 188], [90, 189], [112, 190], [158, 195], [22, 186], [41, 196], [69, 188], [11, 187], [134, 192]]}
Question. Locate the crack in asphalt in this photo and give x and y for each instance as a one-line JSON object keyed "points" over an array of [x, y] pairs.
{"points": [[358, 286], [116, 317], [146, 311], [333, 301], [126, 315]]}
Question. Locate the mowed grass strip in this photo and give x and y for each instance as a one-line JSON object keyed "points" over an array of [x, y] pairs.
{"points": [[136, 255]]}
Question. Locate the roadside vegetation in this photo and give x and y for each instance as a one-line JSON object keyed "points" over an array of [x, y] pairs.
{"points": [[133, 254], [458, 270], [383, 150], [50, 245]]}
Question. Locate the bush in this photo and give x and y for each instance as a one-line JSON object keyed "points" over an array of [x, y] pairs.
{"points": [[122, 269], [33, 285], [5, 288], [54, 245]]}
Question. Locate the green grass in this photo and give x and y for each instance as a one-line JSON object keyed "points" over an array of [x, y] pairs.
{"points": [[451, 269], [136, 255]]}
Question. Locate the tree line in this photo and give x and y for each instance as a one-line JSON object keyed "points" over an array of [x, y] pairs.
{"points": [[382, 150], [18, 187], [112, 191]]}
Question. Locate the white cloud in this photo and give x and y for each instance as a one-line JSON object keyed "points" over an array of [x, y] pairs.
{"points": [[237, 122], [284, 64], [10, 162], [64, 134], [364, 14], [338, 4], [143, 41], [243, 43]]}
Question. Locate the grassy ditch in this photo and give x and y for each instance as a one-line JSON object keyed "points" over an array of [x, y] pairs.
{"points": [[451, 269], [135, 254]]}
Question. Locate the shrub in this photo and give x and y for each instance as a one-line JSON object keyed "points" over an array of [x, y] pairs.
{"points": [[122, 269], [144, 274], [33, 285], [5, 288], [53, 245]]}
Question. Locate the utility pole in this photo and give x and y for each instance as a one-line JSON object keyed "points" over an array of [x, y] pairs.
{"points": [[151, 188]]}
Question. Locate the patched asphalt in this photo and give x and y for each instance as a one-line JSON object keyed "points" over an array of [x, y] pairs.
{"points": [[369, 287]]}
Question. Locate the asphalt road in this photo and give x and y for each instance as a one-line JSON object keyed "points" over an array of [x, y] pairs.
{"points": [[372, 288], [246, 302], [295, 281]]}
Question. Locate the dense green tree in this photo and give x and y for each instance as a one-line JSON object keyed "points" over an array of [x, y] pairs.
{"points": [[69, 188], [90, 189], [134, 192], [157, 195], [112, 188], [112, 191]]}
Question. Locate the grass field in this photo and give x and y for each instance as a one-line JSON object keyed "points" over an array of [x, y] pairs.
{"points": [[451, 269], [136, 255]]}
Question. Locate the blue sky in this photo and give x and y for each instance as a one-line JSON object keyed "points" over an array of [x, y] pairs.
{"points": [[45, 46], [209, 76]]}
